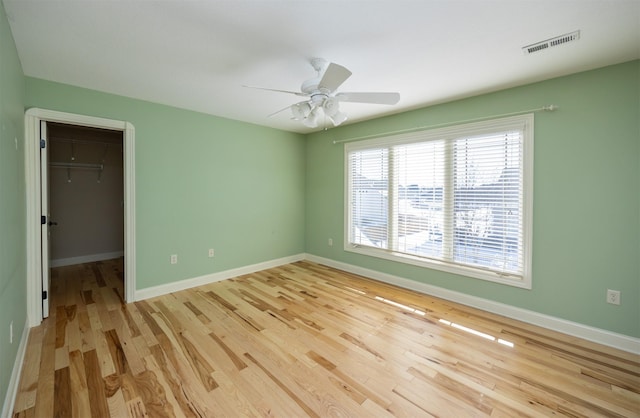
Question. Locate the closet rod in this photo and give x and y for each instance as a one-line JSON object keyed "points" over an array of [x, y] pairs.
{"points": [[77, 165], [83, 141], [547, 108]]}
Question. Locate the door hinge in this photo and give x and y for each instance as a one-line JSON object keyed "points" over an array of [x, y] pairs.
{"points": [[44, 294], [43, 143], [43, 220]]}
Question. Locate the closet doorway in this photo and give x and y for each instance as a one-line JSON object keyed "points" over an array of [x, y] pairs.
{"points": [[86, 194], [103, 236]]}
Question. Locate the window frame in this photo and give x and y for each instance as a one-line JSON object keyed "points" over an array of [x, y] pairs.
{"points": [[525, 123]]}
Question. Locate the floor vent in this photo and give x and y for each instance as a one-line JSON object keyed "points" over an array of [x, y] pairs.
{"points": [[558, 40]]}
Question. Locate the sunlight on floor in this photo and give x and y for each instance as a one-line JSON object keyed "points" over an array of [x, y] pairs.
{"points": [[400, 305], [355, 290], [478, 333], [442, 321]]}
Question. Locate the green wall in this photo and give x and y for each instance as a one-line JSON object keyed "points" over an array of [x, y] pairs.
{"points": [[201, 182], [586, 236], [12, 203]]}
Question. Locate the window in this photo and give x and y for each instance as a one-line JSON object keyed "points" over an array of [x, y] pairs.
{"points": [[456, 199]]}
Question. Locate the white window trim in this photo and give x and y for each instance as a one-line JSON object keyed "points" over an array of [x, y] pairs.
{"points": [[444, 133]]}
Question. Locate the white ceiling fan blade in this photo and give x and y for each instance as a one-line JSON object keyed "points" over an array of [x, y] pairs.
{"points": [[278, 111], [297, 93], [333, 77], [375, 98]]}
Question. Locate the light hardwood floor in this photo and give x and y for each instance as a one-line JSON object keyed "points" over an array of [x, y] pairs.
{"points": [[304, 340]]}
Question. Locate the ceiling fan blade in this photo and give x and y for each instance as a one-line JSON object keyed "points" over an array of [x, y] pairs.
{"points": [[375, 98], [297, 93], [278, 111], [333, 77]]}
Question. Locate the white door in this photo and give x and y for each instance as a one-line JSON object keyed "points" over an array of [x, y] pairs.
{"points": [[45, 221]]}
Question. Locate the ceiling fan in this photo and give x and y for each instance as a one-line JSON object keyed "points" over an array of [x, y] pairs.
{"points": [[322, 96]]}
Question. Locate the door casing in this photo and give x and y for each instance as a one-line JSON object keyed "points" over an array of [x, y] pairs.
{"points": [[33, 117], [45, 231]]}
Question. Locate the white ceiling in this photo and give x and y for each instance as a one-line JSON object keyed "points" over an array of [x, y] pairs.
{"points": [[198, 55]]}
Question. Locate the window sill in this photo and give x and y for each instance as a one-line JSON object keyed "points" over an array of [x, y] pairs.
{"points": [[461, 270]]}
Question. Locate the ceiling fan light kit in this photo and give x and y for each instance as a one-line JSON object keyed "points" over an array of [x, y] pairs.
{"points": [[312, 119], [300, 110], [322, 96]]}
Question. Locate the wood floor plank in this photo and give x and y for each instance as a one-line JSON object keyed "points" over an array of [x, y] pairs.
{"points": [[26, 397], [184, 380], [46, 378], [62, 398], [304, 340], [95, 385], [231, 398], [151, 397], [169, 379], [80, 399], [123, 333], [117, 404], [269, 400], [286, 388], [86, 331], [175, 404]]}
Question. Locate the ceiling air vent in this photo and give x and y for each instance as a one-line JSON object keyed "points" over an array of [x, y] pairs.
{"points": [[558, 40]]}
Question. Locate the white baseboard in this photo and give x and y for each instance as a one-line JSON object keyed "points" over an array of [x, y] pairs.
{"points": [[611, 339], [61, 262], [14, 381], [164, 289]]}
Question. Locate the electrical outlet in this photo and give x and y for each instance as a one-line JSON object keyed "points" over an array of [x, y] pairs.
{"points": [[330, 242], [174, 259], [11, 333], [613, 297], [211, 252]]}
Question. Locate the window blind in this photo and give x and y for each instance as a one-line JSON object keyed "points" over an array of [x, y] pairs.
{"points": [[451, 197]]}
